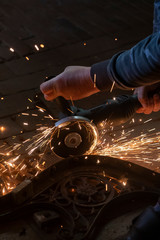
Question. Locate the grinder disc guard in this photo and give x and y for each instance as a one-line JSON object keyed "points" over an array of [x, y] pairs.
{"points": [[73, 136]]}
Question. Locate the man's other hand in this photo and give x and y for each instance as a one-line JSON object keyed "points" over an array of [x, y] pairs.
{"points": [[149, 97], [74, 83]]}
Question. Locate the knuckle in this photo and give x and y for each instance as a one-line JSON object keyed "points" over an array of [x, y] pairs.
{"points": [[67, 68]]}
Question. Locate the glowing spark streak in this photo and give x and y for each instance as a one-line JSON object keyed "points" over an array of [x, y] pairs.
{"points": [[42, 45], [79, 125], [11, 49], [23, 167], [25, 114], [70, 110], [27, 140], [151, 130], [36, 47], [148, 120], [112, 86], [16, 158], [95, 79], [72, 101], [19, 164], [41, 109], [32, 150]]}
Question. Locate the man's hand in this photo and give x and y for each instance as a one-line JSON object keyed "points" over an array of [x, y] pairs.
{"points": [[149, 97], [75, 82]]}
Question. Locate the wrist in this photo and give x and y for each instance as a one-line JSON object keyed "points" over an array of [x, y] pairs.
{"points": [[100, 76], [91, 82]]}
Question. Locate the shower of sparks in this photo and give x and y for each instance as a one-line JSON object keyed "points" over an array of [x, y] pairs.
{"points": [[123, 145], [15, 169], [41, 139]]}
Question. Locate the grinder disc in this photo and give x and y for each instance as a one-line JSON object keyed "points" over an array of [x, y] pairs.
{"points": [[73, 136]]}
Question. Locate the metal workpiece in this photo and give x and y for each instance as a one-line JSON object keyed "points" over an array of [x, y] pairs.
{"points": [[77, 197]]}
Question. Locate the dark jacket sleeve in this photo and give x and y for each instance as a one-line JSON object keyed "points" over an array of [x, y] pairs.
{"points": [[136, 67], [156, 20]]}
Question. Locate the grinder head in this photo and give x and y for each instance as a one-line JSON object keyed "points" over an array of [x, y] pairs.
{"points": [[73, 135]]}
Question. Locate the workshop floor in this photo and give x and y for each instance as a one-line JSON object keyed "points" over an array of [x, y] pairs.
{"points": [[40, 38]]}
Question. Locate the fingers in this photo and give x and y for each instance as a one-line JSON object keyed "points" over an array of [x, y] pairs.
{"points": [[156, 99], [49, 89], [140, 110], [147, 105], [49, 97], [150, 105], [149, 97], [143, 99]]}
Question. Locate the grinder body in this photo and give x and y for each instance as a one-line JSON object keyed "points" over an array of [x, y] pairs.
{"points": [[76, 132]]}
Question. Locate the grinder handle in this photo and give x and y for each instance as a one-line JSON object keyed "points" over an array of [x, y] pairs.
{"points": [[116, 111], [120, 110], [64, 107], [63, 104]]}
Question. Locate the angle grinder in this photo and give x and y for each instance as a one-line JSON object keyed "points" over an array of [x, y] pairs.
{"points": [[76, 132]]}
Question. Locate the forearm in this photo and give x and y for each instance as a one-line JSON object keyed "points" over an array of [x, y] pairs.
{"points": [[136, 67]]}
